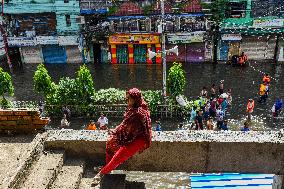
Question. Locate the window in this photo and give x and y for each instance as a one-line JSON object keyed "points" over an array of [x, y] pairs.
{"points": [[262, 8], [143, 25], [236, 10], [66, 1], [68, 20], [133, 25]]}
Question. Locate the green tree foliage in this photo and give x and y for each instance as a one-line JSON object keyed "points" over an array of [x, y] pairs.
{"points": [[176, 80], [85, 85], [42, 81], [6, 86]]}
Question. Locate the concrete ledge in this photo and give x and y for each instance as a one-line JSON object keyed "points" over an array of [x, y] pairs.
{"points": [[186, 151]]}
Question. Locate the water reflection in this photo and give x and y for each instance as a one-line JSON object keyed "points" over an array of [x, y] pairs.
{"points": [[243, 81]]}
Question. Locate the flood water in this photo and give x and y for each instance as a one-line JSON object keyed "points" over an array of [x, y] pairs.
{"points": [[244, 83]]}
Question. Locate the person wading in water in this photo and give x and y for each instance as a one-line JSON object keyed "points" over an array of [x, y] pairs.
{"points": [[133, 135]]}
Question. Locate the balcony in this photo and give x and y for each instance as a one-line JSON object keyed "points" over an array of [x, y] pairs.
{"points": [[94, 6]]}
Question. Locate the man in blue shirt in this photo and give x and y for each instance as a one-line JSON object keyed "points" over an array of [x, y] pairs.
{"points": [[246, 127], [225, 126]]}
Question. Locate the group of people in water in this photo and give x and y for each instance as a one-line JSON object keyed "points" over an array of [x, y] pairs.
{"points": [[210, 109], [209, 106]]}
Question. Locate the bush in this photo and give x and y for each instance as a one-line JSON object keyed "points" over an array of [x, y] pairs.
{"points": [[109, 96], [85, 85], [153, 99], [176, 80], [42, 81], [6, 86]]}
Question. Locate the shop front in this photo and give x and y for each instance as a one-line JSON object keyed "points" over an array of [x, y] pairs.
{"points": [[230, 46], [191, 47], [133, 48]]}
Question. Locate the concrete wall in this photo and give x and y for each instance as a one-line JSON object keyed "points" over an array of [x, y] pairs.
{"points": [[187, 151]]}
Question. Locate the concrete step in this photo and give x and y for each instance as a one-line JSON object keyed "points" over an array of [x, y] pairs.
{"points": [[110, 181], [113, 181], [44, 171], [70, 175], [87, 179], [134, 185]]}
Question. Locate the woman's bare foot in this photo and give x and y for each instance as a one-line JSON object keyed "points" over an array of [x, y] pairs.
{"points": [[97, 179], [98, 169]]}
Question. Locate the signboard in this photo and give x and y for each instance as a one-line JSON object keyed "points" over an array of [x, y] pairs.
{"points": [[68, 40], [268, 23], [193, 37], [46, 40], [231, 37], [21, 41], [136, 39]]}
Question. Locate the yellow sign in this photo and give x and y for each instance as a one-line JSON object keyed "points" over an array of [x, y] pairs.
{"points": [[135, 39]]}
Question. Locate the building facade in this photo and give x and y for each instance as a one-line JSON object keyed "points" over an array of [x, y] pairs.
{"points": [[133, 28], [43, 31], [255, 27]]}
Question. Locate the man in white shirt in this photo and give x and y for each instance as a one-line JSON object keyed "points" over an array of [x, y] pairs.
{"points": [[103, 122]]}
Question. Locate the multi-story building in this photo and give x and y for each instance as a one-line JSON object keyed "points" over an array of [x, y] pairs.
{"points": [[133, 29], [255, 27], [43, 30]]}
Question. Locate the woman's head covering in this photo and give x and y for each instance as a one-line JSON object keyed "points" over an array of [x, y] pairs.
{"points": [[135, 94]]}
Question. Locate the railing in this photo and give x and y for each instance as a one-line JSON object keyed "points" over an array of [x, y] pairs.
{"points": [[111, 110]]}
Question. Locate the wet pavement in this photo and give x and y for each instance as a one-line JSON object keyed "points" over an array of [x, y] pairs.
{"points": [[244, 83]]}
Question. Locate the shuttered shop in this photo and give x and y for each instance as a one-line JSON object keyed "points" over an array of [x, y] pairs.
{"points": [[54, 54], [73, 54], [31, 54], [259, 47]]}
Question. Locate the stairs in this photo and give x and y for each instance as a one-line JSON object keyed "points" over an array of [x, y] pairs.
{"points": [[70, 175], [52, 170], [44, 171]]}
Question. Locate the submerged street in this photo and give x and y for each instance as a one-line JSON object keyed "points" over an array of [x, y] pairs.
{"points": [[244, 82]]}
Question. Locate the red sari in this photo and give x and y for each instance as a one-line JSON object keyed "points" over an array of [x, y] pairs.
{"points": [[131, 136]]}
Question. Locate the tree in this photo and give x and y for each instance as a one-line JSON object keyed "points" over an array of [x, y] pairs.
{"points": [[42, 81], [85, 84], [6, 86], [218, 8], [176, 80]]}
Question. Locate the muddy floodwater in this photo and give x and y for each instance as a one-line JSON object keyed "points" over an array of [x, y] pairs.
{"points": [[244, 83]]}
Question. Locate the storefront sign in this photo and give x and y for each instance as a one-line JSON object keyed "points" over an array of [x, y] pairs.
{"points": [[46, 40], [231, 37], [21, 41], [268, 23], [193, 37], [136, 39], [68, 40]]}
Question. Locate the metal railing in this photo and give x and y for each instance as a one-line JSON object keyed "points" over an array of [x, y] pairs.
{"points": [[111, 110]]}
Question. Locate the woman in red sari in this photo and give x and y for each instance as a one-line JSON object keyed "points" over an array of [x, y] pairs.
{"points": [[131, 136]]}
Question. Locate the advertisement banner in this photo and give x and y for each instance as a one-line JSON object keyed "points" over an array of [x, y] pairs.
{"points": [[135, 39], [231, 37], [68, 40], [193, 37], [46, 40], [21, 41], [268, 23]]}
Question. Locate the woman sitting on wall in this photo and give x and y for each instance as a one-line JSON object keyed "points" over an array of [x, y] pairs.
{"points": [[131, 136]]}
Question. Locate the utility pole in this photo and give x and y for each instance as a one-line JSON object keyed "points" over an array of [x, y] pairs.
{"points": [[164, 49]]}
